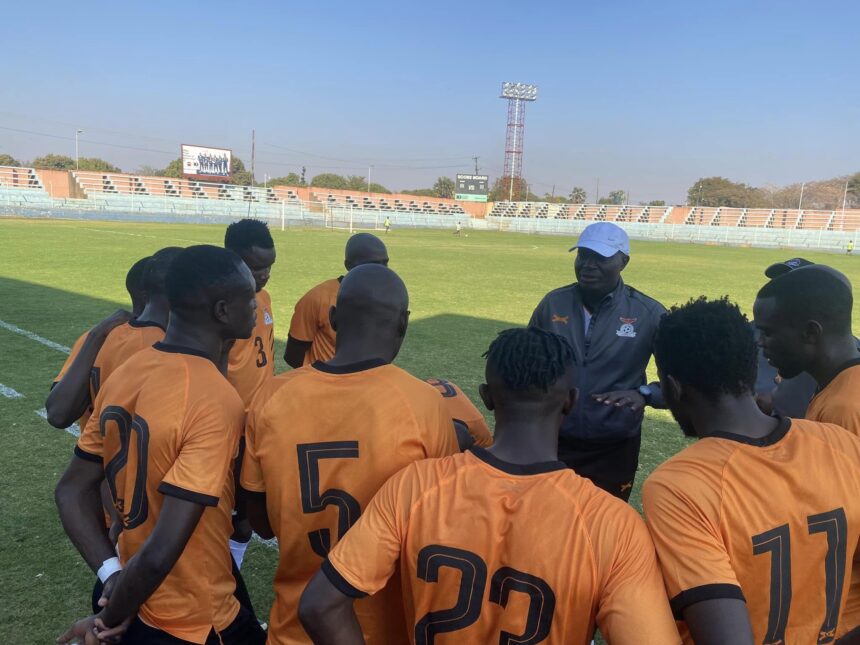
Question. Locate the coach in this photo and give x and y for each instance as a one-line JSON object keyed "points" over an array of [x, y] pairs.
{"points": [[611, 327]]}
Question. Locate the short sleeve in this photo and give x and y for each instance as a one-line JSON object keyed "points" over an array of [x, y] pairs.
{"points": [[76, 348], [841, 412], [303, 325], [692, 555], [633, 607], [251, 477], [208, 446], [366, 557], [90, 444], [439, 436], [480, 432]]}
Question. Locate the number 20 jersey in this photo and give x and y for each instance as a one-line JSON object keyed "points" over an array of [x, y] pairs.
{"points": [[773, 521], [167, 423], [321, 440]]}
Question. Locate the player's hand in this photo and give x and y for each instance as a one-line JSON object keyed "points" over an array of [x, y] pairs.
{"points": [[83, 631], [622, 399], [107, 589], [112, 634], [117, 318]]}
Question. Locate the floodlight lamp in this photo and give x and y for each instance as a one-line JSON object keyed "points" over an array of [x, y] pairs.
{"points": [[522, 91]]}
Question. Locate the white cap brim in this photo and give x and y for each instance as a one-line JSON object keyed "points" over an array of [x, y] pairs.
{"points": [[598, 247]]}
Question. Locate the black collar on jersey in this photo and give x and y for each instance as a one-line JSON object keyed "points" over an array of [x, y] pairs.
{"points": [[781, 430], [145, 323], [180, 349], [516, 469], [852, 363], [350, 368]]}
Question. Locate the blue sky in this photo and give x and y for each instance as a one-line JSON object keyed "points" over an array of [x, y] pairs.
{"points": [[645, 96]]}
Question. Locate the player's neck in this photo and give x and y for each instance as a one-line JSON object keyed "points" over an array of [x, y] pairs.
{"points": [[203, 339], [736, 415], [348, 352], [832, 358], [525, 441], [156, 311]]}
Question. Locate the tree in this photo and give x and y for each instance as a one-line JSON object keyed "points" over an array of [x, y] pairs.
{"points": [[174, 169], [444, 187], [96, 165], [719, 191], [329, 180], [504, 189], [149, 171], [379, 188], [854, 189], [291, 179], [420, 192], [657, 202], [54, 162], [578, 195], [617, 197], [9, 160]]}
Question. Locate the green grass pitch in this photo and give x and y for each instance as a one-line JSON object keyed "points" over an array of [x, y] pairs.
{"points": [[59, 277]]}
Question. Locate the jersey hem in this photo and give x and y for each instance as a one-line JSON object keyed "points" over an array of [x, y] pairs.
{"points": [[87, 456], [704, 592]]}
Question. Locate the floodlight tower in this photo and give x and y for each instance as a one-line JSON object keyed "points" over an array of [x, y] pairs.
{"points": [[517, 94]]}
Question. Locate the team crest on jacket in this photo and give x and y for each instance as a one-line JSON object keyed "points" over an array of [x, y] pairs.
{"points": [[267, 318], [560, 319], [627, 330]]}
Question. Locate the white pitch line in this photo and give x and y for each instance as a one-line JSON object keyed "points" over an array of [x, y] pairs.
{"points": [[74, 429], [36, 337], [9, 393]]}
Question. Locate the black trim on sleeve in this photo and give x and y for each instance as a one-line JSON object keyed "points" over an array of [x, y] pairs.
{"points": [[516, 469], [340, 582], [180, 349], [145, 323], [781, 430], [351, 368], [188, 495], [88, 456], [705, 592]]}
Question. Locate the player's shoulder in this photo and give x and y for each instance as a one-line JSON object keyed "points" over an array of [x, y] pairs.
{"points": [[607, 518], [279, 385], [831, 435], [407, 384], [264, 297], [698, 466]]}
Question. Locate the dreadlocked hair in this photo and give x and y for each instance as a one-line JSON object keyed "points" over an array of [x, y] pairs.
{"points": [[529, 358]]}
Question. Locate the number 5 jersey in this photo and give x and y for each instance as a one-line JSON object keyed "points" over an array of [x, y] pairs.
{"points": [[773, 521]]}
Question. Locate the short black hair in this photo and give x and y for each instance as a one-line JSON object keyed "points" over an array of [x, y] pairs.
{"points": [[199, 274], [530, 358], [708, 345], [245, 233], [816, 292], [134, 277], [156, 269]]}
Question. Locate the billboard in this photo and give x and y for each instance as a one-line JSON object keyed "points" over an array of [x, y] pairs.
{"points": [[472, 188], [202, 162]]}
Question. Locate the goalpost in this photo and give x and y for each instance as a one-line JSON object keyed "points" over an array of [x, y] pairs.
{"points": [[345, 218]]}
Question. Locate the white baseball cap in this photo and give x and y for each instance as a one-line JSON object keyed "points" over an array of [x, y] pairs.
{"points": [[604, 238]]}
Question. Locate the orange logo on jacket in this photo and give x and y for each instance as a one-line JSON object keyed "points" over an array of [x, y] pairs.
{"points": [[561, 319]]}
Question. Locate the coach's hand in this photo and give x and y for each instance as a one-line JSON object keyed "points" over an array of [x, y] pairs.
{"points": [[622, 399], [83, 631]]}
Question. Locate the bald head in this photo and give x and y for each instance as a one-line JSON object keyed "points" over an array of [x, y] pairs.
{"points": [[364, 248], [817, 292], [372, 312]]}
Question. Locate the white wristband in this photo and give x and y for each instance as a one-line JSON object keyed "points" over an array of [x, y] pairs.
{"points": [[108, 568]]}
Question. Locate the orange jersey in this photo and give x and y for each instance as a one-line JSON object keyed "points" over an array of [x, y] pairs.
{"points": [[463, 410], [169, 424], [122, 343], [774, 521], [252, 360], [73, 354], [311, 324], [320, 441], [839, 403], [493, 552]]}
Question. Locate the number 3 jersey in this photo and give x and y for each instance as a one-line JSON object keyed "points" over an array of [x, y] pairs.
{"points": [[773, 521], [167, 423], [252, 360], [494, 552], [320, 441]]}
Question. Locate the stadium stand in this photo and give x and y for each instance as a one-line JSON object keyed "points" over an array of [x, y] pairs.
{"points": [[386, 203], [22, 186]]}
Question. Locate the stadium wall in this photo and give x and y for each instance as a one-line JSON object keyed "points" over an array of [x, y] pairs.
{"points": [[60, 184]]}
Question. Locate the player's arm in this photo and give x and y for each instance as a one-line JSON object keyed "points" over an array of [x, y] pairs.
{"points": [[145, 572], [464, 438], [258, 515], [722, 621], [851, 638], [327, 614], [296, 351], [70, 396], [79, 504]]}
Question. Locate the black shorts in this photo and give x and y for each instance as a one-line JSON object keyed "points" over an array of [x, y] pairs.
{"points": [[610, 465], [244, 630]]}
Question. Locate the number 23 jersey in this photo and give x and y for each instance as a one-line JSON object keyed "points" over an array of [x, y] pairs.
{"points": [[773, 521]]}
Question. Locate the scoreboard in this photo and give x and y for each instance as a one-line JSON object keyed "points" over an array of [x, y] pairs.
{"points": [[472, 188]]}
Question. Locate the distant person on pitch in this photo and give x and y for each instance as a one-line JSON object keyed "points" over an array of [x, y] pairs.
{"points": [[311, 337], [457, 231], [387, 224], [611, 327]]}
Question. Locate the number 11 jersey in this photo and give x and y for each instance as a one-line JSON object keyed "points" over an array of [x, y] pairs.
{"points": [[773, 521]]}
